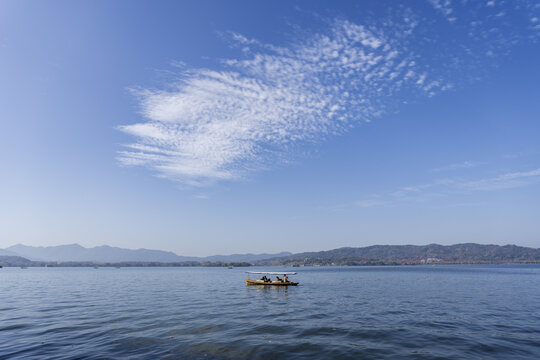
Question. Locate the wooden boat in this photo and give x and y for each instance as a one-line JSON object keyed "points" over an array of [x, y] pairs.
{"points": [[280, 282]]}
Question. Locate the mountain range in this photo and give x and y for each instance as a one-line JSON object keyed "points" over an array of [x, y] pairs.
{"points": [[412, 254], [370, 255], [109, 254]]}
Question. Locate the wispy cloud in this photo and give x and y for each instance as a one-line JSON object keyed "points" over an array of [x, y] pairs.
{"points": [[449, 186], [217, 125], [367, 203], [504, 181], [513, 155], [458, 166], [249, 113], [445, 8]]}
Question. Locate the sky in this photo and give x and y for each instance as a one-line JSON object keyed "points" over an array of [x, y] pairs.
{"points": [[212, 127]]}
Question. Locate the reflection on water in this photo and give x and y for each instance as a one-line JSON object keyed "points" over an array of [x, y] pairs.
{"points": [[268, 289], [275, 295], [356, 312]]}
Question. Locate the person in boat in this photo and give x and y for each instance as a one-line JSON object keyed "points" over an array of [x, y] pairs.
{"points": [[285, 278], [278, 279]]}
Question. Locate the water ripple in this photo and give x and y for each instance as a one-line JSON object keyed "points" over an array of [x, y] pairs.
{"points": [[471, 312]]}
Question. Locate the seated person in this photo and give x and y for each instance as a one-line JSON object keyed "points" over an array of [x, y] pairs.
{"points": [[278, 279], [285, 278]]}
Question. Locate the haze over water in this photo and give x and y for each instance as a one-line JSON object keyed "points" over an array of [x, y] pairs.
{"points": [[415, 312]]}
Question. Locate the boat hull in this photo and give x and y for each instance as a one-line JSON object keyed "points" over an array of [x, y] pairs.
{"points": [[273, 283]]}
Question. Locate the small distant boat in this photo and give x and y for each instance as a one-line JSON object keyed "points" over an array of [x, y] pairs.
{"points": [[24, 267], [230, 267], [268, 282]]}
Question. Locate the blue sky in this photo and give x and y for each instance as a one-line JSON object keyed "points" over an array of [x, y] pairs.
{"points": [[207, 127]]}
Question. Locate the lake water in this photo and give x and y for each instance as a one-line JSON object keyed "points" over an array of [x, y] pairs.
{"points": [[409, 312]]}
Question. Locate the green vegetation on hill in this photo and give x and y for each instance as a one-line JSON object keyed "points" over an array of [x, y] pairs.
{"points": [[413, 254], [14, 261]]}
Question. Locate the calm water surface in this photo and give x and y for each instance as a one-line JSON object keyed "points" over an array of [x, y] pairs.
{"points": [[417, 312]]}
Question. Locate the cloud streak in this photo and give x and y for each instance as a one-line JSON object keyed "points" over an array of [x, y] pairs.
{"points": [[444, 187], [458, 166], [252, 112]]}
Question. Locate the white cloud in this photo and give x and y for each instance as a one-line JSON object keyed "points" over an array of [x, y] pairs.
{"points": [[445, 8], [220, 125], [504, 181], [251, 112], [367, 203], [451, 167], [445, 187]]}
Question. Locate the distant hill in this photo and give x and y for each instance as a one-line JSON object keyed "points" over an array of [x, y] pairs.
{"points": [[108, 254], [4, 252], [14, 261], [412, 254], [244, 257], [20, 255], [76, 252]]}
